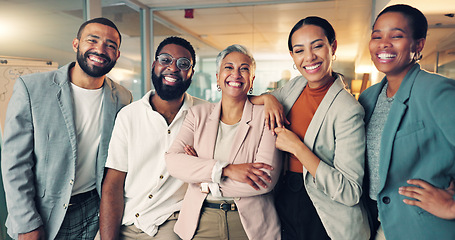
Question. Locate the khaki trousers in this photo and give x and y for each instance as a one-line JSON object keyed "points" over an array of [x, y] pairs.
{"points": [[380, 234], [220, 225], [165, 231]]}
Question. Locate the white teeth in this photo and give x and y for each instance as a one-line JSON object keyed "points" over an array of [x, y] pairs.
{"points": [[95, 59], [386, 56], [312, 67], [169, 79], [234, 84]]}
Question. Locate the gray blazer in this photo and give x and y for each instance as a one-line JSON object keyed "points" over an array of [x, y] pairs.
{"points": [[336, 135], [39, 152]]}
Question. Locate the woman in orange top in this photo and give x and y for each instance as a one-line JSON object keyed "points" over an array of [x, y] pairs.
{"points": [[319, 196]]}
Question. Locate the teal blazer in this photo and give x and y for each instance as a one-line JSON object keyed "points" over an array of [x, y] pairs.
{"points": [[39, 151], [418, 142]]}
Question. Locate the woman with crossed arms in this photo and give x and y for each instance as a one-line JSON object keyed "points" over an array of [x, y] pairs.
{"points": [[228, 157]]}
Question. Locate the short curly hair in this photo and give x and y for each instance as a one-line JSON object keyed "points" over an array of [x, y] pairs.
{"points": [[177, 41]]}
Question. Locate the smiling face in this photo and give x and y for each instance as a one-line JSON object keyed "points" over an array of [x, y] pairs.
{"points": [[392, 47], [97, 49], [235, 76], [312, 54], [170, 82]]}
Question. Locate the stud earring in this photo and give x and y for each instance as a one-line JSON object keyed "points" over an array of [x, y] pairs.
{"points": [[218, 88], [251, 90]]}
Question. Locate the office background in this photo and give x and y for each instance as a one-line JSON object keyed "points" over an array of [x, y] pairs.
{"points": [[42, 31]]}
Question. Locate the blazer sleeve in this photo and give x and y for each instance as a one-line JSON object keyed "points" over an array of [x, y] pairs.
{"points": [[185, 167], [266, 152], [342, 182], [441, 100], [17, 163]]}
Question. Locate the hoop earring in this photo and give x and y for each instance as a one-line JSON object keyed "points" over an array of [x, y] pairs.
{"points": [[334, 57], [251, 90], [218, 88], [417, 56], [293, 66]]}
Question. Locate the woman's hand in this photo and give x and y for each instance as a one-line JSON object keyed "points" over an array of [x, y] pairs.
{"points": [[287, 141], [274, 112], [249, 173], [436, 201], [189, 150]]}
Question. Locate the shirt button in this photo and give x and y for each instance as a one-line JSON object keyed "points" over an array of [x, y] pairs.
{"points": [[386, 200], [137, 215], [65, 206], [150, 196], [168, 131], [71, 181], [161, 177]]}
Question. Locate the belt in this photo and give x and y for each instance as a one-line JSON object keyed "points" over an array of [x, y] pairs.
{"points": [[81, 197], [222, 206]]}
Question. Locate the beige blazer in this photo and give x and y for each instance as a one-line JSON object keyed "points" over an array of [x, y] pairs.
{"points": [[336, 135], [253, 143]]}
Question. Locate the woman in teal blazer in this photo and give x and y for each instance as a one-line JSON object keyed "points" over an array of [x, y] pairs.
{"points": [[410, 131]]}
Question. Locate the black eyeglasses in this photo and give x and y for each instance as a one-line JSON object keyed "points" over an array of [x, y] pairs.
{"points": [[165, 60]]}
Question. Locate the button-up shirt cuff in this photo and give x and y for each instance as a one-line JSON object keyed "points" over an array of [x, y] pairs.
{"points": [[218, 170]]}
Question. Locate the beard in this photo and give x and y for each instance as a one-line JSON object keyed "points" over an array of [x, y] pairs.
{"points": [[94, 71], [167, 92]]}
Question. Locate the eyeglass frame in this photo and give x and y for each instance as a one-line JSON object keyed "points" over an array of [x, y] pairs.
{"points": [[172, 61]]}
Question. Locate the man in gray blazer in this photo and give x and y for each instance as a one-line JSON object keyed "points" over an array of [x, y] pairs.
{"points": [[57, 131]]}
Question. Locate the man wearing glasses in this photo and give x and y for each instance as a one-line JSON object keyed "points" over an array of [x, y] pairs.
{"points": [[139, 198]]}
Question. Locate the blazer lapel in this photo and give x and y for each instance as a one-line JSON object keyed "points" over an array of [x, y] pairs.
{"points": [[65, 102], [321, 112], [109, 112], [242, 129], [211, 126], [397, 111], [388, 136], [370, 102]]}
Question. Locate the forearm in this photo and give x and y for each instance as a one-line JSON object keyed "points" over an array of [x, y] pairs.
{"points": [[264, 172], [452, 210], [308, 159], [258, 100], [111, 206], [189, 169]]}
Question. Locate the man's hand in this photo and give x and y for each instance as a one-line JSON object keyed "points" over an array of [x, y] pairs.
{"points": [[436, 201], [37, 234], [249, 173], [112, 204]]}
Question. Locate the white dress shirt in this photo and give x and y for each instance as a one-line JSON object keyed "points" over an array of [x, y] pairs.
{"points": [[139, 140]]}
